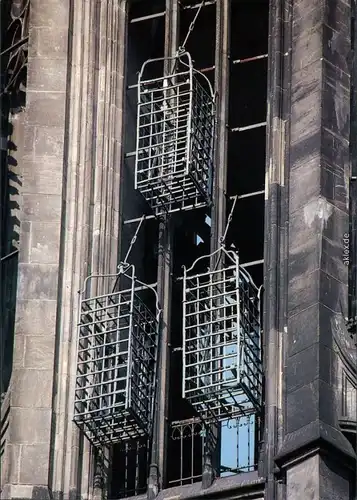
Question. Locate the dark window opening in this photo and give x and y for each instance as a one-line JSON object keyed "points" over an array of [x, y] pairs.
{"points": [[237, 448], [234, 443], [202, 53], [246, 160], [145, 40], [191, 241], [246, 146], [184, 454]]}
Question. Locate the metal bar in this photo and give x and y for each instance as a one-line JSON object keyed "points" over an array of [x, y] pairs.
{"points": [[15, 46], [9, 255], [184, 209], [249, 127], [229, 220], [247, 195], [134, 238], [206, 70], [145, 18], [185, 480], [197, 5], [252, 263], [250, 59], [192, 25]]}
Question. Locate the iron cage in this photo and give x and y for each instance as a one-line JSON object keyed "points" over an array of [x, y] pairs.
{"points": [[175, 135], [116, 357], [222, 359]]}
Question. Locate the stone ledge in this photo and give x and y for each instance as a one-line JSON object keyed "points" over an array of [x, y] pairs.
{"points": [[316, 436], [25, 492]]}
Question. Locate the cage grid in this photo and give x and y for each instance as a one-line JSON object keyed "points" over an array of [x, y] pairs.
{"points": [[175, 134], [222, 359], [116, 357]]}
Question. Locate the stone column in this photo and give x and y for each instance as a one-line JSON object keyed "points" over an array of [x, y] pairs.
{"points": [[91, 226], [313, 446], [39, 260]]}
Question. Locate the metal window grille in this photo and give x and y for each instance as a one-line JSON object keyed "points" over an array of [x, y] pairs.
{"points": [[116, 358], [191, 440], [175, 132], [131, 458], [239, 445], [222, 364]]}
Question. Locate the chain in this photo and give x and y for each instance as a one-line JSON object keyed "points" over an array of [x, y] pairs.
{"points": [[192, 25], [124, 264], [133, 240], [229, 220]]}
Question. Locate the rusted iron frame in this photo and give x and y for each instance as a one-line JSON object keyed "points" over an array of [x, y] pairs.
{"points": [[197, 5], [250, 59], [15, 45], [17, 59]]}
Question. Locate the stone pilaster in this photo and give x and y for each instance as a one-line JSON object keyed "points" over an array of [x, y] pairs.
{"points": [[318, 219], [42, 196], [91, 230], [69, 228]]}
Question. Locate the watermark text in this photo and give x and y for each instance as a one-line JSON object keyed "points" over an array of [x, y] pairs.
{"points": [[346, 249]]}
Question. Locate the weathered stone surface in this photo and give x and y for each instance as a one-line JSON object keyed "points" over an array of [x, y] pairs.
{"points": [[39, 352], [19, 491], [39, 420], [306, 114], [305, 246], [317, 478], [307, 45], [49, 141], [43, 179], [306, 175], [336, 115], [303, 480], [335, 480], [45, 106], [52, 14], [47, 74], [305, 367], [41, 208], [318, 220], [35, 317], [34, 464], [31, 389], [29, 142], [48, 43], [337, 16], [45, 242], [303, 292], [333, 185], [333, 294], [42, 176], [9, 465], [25, 241], [37, 281], [19, 352]]}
